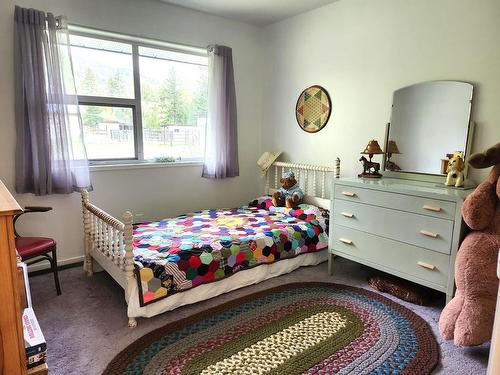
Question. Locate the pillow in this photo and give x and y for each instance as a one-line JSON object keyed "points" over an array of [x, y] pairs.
{"points": [[265, 202], [307, 212]]}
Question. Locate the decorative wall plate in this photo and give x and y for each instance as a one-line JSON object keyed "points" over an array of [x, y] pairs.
{"points": [[313, 109]]}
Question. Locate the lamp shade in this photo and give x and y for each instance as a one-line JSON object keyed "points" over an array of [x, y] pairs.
{"points": [[372, 148], [392, 148]]}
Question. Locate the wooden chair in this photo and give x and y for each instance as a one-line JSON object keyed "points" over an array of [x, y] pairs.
{"points": [[37, 248]]}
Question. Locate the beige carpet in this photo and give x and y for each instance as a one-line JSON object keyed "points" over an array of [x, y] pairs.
{"points": [[85, 327]]}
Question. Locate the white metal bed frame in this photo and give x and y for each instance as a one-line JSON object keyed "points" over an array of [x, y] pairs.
{"points": [[108, 240]]}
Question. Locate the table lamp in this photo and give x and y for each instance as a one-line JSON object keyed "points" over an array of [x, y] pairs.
{"points": [[392, 148], [371, 169]]}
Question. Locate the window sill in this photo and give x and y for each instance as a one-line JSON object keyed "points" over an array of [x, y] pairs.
{"points": [[117, 167]]}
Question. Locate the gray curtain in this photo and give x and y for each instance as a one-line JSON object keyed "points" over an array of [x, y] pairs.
{"points": [[221, 151], [50, 154]]}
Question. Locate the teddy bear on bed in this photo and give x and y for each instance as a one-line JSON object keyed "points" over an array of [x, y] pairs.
{"points": [[468, 317], [290, 194]]}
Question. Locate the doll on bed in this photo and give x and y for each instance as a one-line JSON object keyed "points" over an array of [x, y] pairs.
{"points": [[290, 194]]}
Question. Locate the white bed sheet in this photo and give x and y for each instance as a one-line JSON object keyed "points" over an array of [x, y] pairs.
{"points": [[236, 281]]}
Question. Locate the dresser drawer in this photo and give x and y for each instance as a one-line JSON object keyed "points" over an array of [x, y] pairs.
{"points": [[420, 230], [403, 202], [379, 252]]}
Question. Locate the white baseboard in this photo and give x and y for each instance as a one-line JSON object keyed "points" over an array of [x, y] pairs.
{"points": [[46, 265]]}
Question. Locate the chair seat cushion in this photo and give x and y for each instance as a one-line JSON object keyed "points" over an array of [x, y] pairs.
{"points": [[28, 247]]}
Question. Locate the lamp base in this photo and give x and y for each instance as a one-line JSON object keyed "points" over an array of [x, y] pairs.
{"points": [[370, 175], [370, 168]]}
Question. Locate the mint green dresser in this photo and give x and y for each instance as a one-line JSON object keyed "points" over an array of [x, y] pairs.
{"points": [[407, 228]]}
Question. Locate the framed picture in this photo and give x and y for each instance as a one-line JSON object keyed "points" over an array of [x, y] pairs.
{"points": [[313, 109]]}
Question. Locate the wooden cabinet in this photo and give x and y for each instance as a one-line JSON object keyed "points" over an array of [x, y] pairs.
{"points": [[13, 356], [407, 228]]}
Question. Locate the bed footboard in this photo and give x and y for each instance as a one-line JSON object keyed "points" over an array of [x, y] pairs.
{"points": [[108, 241]]}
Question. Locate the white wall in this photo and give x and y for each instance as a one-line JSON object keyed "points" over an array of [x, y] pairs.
{"points": [[363, 50], [156, 192], [359, 50]]}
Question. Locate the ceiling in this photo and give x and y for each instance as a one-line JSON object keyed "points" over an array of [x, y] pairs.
{"points": [[257, 12]]}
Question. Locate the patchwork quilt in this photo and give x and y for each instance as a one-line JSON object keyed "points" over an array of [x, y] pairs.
{"points": [[174, 255]]}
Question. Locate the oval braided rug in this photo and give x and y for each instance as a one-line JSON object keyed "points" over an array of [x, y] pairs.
{"points": [[306, 328]]}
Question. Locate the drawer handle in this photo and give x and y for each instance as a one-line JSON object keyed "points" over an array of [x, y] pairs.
{"points": [[431, 208], [347, 214], [346, 241], [429, 233], [349, 193], [427, 265]]}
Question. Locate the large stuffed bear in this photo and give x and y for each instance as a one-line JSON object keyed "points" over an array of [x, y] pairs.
{"points": [[468, 318]]}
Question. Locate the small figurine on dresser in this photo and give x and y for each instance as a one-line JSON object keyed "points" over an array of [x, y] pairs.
{"points": [[370, 168], [444, 164], [455, 170], [290, 194], [392, 148]]}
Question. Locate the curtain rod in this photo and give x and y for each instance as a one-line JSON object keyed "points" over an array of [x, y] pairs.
{"points": [[132, 38], [59, 21]]}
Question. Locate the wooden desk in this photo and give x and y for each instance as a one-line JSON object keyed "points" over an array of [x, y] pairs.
{"points": [[12, 353]]}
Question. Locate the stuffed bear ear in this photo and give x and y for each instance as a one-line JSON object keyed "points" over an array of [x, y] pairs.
{"points": [[487, 158], [282, 180]]}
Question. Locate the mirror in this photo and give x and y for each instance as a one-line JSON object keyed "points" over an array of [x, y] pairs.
{"points": [[429, 120]]}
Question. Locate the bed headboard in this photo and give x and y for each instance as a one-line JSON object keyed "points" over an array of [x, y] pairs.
{"points": [[312, 179]]}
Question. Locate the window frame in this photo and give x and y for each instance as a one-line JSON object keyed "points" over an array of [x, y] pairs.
{"points": [[134, 103]]}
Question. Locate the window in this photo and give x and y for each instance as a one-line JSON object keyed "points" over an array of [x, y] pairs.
{"points": [[140, 102]]}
